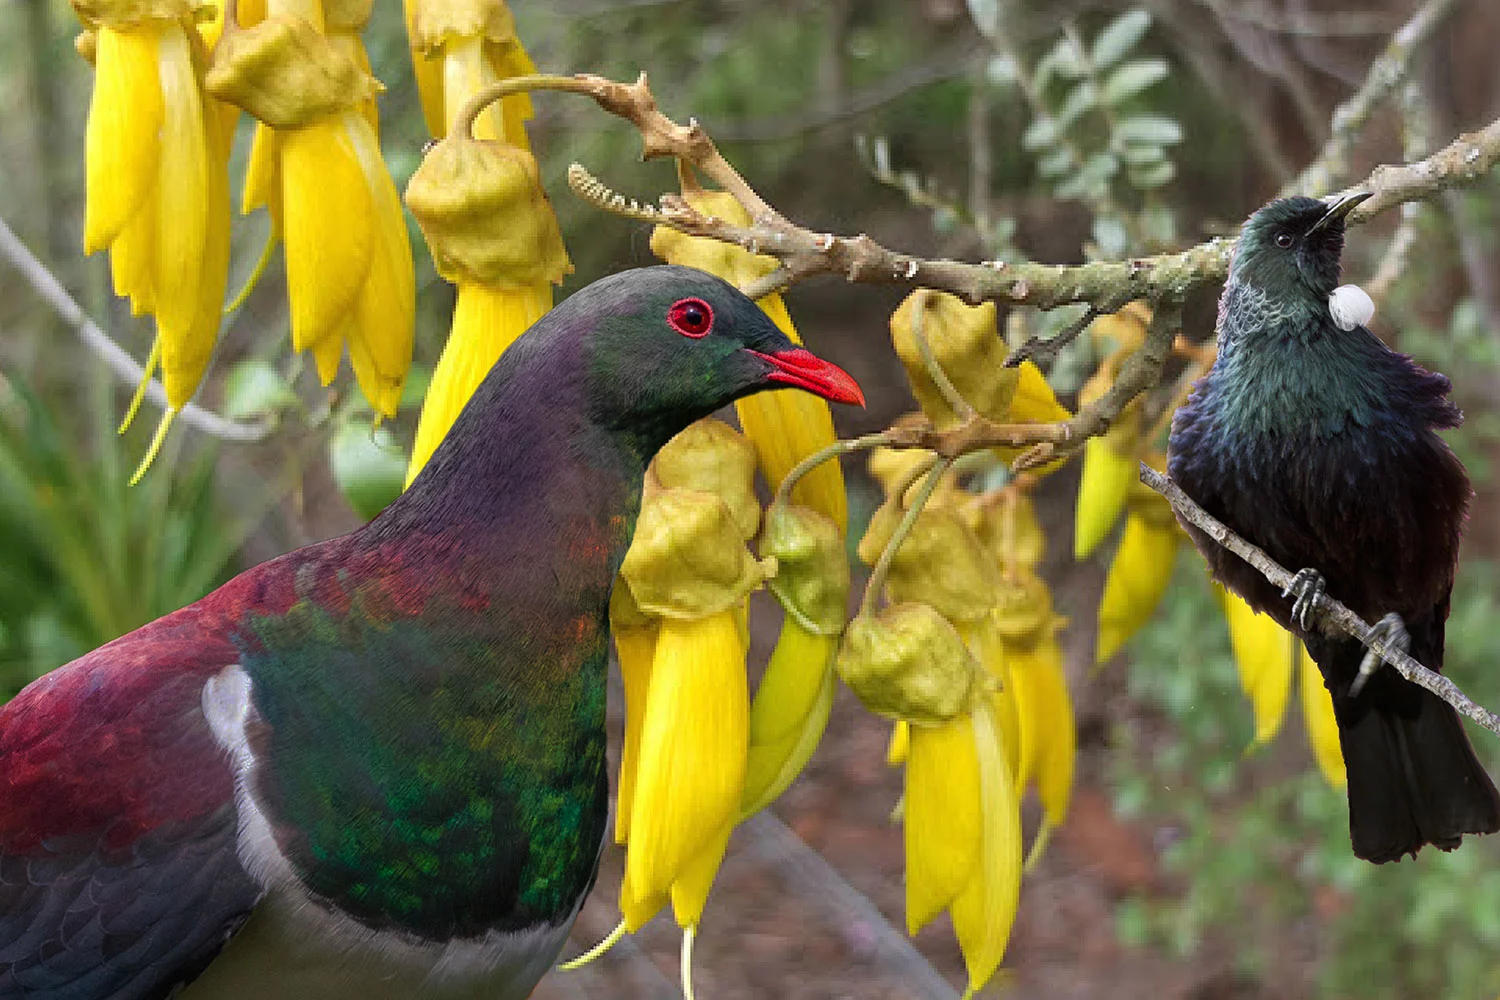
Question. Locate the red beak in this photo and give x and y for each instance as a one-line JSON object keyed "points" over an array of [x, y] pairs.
{"points": [[806, 370]]}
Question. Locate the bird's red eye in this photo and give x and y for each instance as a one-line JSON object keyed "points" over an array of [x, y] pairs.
{"points": [[691, 317]]}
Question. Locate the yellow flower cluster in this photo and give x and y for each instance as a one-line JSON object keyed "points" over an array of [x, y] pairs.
{"points": [[479, 200], [699, 755], [1142, 566], [168, 83], [678, 618], [299, 68], [965, 656], [157, 186]]}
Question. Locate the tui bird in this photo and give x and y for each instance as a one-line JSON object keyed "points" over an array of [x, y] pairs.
{"points": [[374, 767], [1312, 439]]}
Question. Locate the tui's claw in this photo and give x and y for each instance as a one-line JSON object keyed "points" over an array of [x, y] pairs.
{"points": [[1307, 587], [1391, 630]]}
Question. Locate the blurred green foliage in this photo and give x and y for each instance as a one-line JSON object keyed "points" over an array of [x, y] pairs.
{"points": [[1258, 844], [87, 557]]}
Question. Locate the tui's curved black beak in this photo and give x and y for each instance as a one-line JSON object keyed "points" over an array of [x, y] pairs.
{"points": [[1340, 208]]}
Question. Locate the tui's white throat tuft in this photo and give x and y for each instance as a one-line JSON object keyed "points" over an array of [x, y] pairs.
{"points": [[1350, 306]]}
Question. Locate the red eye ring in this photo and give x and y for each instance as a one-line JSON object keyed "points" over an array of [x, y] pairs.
{"points": [[691, 317]]}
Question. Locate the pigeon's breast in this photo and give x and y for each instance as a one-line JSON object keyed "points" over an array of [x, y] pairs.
{"points": [[290, 950]]}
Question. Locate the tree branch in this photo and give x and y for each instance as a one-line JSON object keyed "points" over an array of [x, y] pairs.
{"points": [[1333, 612]]}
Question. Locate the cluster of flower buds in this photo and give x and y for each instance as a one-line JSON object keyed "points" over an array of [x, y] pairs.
{"points": [[964, 657], [1141, 569]]}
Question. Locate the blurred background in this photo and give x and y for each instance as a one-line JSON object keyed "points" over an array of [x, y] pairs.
{"points": [[1188, 868]]}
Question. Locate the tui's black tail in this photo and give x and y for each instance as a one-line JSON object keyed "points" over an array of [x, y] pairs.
{"points": [[1413, 776]]}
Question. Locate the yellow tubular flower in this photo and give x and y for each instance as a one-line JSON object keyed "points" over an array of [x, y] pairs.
{"points": [[458, 48], [156, 156], [678, 617], [795, 695], [1322, 727], [1137, 579], [691, 771], [1110, 467], [1265, 654], [963, 835], [320, 172], [635, 645]]}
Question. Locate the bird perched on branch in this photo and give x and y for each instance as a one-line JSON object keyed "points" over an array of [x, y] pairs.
{"points": [[375, 767], [1312, 439]]}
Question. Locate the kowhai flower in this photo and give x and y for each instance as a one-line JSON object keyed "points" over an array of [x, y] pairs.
{"points": [[795, 694], [157, 190], [458, 48], [1266, 655], [316, 165]]}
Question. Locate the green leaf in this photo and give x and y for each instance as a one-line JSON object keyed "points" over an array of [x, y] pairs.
{"points": [[368, 466], [1055, 163], [1062, 61], [1119, 37], [414, 389], [254, 388], [1081, 98], [1040, 134], [1111, 237], [1153, 176], [1132, 78], [1141, 156], [1147, 130]]}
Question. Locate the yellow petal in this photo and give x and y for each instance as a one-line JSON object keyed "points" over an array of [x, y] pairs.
{"points": [[121, 150], [183, 207], [636, 648], [789, 713], [942, 817], [263, 175], [1265, 654], [1137, 579], [465, 73], [786, 426], [132, 258], [985, 909], [987, 643], [690, 891], [1322, 727], [899, 747], [329, 225], [638, 905], [694, 732], [1104, 485], [1034, 401], [184, 362], [485, 322], [1047, 726], [381, 348]]}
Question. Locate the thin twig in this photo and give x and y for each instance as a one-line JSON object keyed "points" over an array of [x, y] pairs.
{"points": [[114, 356], [882, 569], [1333, 612], [945, 386], [1350, 118], [1038, 346]]}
